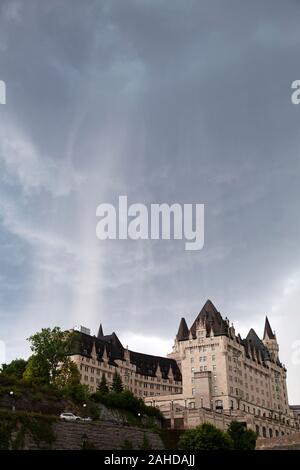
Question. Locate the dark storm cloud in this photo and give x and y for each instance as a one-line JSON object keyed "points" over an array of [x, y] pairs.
{"points": [[165, 102]]}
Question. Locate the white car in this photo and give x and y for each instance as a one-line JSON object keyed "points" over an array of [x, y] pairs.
{"points": [[70, 417], [86, 419]]}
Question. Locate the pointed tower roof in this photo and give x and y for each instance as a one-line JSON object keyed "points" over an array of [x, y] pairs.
{"points": [[212, 320], [183, 331], [268, 333], [100, 332]]}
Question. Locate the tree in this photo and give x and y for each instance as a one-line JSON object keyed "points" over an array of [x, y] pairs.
{"points": [[205, 437], [242, 438], [51, 350], [103, 387], [117, 385], [36, 371], [68, 375], [15, 368]]}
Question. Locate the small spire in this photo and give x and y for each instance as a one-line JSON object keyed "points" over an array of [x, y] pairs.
{"points": [[100, 332], [183, 331], [268, 333]]}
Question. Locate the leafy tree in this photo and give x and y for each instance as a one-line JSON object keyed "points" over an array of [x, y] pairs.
{"points": [[103, 387], [36, 371], [242, 438], [15, 368], [117, 385], [51, 349], [68, 375], [205, 437], [78, 392]]}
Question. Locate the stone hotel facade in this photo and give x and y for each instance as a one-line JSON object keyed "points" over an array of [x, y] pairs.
{"points": [[143, 374], [212, 375]]}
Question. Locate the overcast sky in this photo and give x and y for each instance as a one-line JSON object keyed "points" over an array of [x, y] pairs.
{"points": [[162, 101]]}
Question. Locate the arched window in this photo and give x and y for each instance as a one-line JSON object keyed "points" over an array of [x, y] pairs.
{"points": [[219, 405]]}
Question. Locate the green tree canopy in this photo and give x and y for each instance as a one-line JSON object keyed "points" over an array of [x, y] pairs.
{"points": [[37, 370], [15, 368], [205, 437], [51, 349], [117, 385], [68, 375], [242, 438]]}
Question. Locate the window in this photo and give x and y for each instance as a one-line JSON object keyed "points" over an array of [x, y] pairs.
{"points": [[193, 391], [213, 357]]}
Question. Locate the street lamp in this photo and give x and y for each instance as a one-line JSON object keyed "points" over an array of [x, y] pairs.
{"points": [[84, 409], [13, 408]]}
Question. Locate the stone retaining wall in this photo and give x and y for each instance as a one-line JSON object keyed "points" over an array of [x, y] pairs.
{"points": [[280, 443], [75, 436]]}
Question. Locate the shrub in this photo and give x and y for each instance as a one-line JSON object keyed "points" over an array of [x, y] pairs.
{"points": [[78, 392], [242, 438], [126, 400], [205, 437]]}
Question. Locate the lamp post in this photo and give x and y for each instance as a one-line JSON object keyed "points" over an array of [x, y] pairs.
{"points": [[84, 410], [11, 394]]}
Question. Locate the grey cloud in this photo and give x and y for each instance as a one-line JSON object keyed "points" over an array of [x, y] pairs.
{"points": [[165, 102]]}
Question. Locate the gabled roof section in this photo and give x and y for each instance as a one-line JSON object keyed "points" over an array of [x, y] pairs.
{"points": [[183, 331], [255, 343], [148, 365], [111, 346], [268, 333]]}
